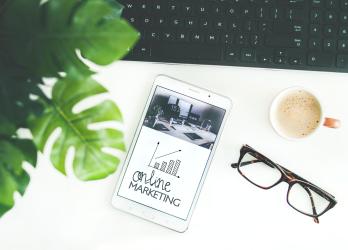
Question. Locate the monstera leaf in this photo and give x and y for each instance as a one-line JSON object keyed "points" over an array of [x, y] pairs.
{"points": [[50, 38], [15, 102], [90, 161], [45, 35], [13, 153]]}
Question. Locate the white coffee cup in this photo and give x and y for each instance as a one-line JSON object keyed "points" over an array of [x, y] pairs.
{"points": [[294, 113]]}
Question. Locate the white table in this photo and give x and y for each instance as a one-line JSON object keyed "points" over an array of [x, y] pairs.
{"points": [[60, 212]]}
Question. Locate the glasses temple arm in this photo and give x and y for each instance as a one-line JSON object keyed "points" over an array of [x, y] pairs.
{"points": [[316, 219], [235, 165]]}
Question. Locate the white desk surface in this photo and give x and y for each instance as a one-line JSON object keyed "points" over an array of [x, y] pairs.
{"points": [[63, 213]]}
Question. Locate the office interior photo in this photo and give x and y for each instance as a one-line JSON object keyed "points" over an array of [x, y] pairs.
{"points": [[184, 117]]}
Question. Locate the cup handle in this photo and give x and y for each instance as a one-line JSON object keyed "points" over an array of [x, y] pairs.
{"points": [[332, 123]]}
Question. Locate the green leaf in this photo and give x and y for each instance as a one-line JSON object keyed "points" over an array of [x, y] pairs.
{"points": [[13, 178], [45, 37], [15, 102], [6, 127], [90, 162]]}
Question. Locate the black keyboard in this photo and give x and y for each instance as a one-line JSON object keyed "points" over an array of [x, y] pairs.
{"points": [[285, 34]]}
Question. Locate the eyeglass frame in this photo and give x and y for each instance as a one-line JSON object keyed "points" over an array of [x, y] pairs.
{"points": [[286, 176]]}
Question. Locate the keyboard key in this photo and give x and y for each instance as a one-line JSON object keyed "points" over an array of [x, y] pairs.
{"points": [[175, 22], [343, 32], [234, 26], [262, 12], [142, 51], [267, 2], [279, 60], [342, 61], [315, 30], [190, 23], [344, 17], [247, 12], [202, 9], [212, 37], [220, 24], [228, 38], [186, 52], [317, 3], [188, 8], [146, 21], [197, 37], [133, 20], [329, 30], [173, 7], [329, 44], [255, 40], [316, 16], [265, 27], [344, 4], [250, 26], [145, 7], [320, 60], [276, 13], [205, 23], [296, 60], [183, 37], [280, 53], [216, 8], [247, 55], [168, 36], [232, 11], [331, 4], [296, 3], [330, 17], [231, 54], [152, 36], [294, 14], [160, 22], [264, 59], [158, 7], [242, 40], [314, 44], [130, 6], [264, 56], [343, 45], [297, 43]]}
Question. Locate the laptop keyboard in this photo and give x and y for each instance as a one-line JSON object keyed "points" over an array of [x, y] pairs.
{"points": [[288, 34]]}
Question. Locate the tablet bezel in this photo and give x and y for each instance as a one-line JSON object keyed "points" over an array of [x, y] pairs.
{"points": [[152, 214]]}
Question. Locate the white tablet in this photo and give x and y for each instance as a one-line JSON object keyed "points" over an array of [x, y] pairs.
{"points": [[170, 154]]}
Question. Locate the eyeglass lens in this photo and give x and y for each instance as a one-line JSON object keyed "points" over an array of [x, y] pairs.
{"points": [[258, 172], [306, 200]]}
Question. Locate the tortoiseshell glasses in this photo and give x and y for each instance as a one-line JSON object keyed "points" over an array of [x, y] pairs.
{"points": [[303, 196]]}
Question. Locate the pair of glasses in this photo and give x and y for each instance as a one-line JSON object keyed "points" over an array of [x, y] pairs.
{"points": [[302, 195]]}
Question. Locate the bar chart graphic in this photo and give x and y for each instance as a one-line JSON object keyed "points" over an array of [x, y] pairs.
{"points": [[167, 162]]}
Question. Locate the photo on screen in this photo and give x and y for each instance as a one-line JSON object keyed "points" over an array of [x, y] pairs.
{"points": [[184, 117]]}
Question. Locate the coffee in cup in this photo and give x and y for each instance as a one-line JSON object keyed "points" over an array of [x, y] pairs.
{"points": [[296, 113]]}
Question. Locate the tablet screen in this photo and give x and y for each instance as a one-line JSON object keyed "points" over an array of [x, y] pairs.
{"points": [[171, 152]]}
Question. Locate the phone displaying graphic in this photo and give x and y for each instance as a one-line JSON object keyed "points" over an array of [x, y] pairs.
{"points": [[171, 152]]}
